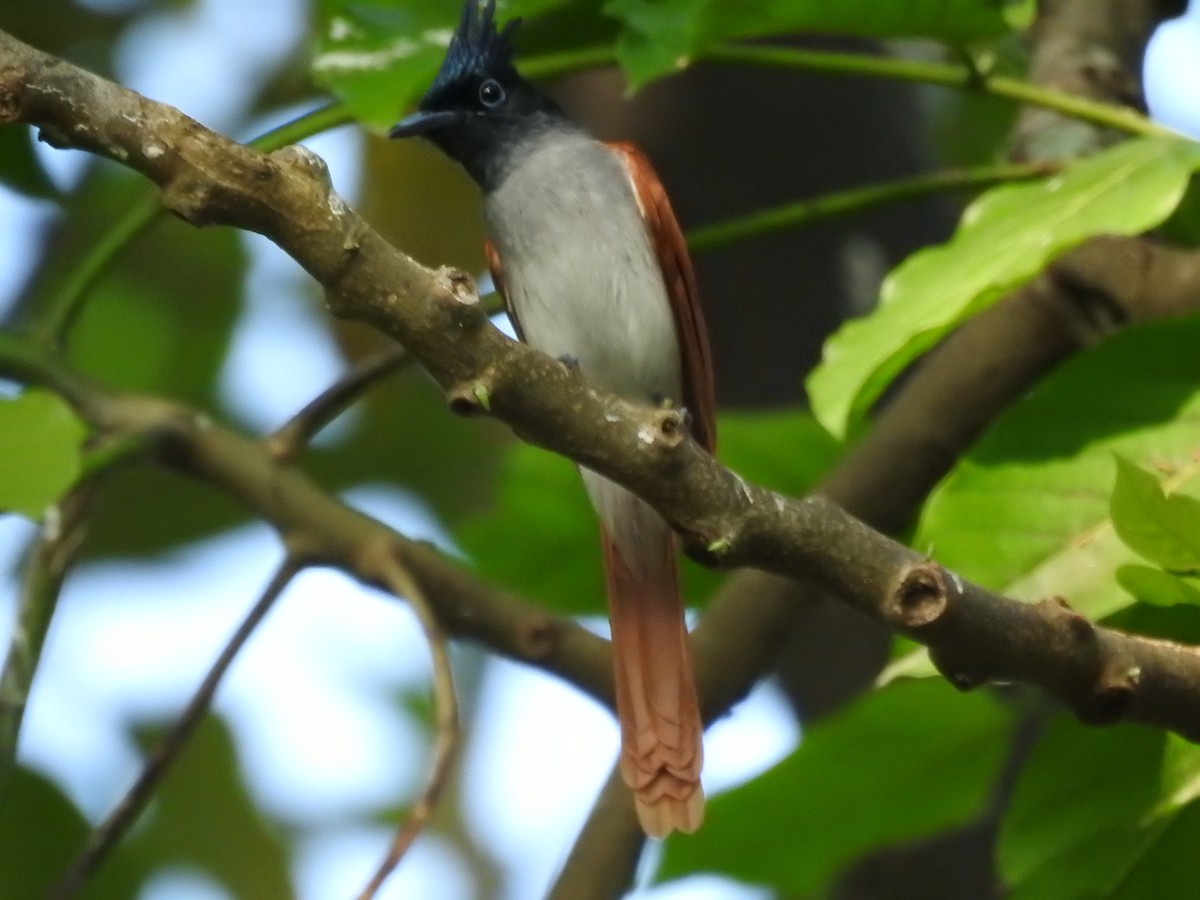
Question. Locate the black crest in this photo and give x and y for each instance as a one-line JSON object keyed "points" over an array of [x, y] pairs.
{"points": [[477, 47]]}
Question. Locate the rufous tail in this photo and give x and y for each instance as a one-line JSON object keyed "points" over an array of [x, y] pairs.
{"points": [[661, 730]]}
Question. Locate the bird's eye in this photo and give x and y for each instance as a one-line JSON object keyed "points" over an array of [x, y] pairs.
{"points": [[491, 94]]}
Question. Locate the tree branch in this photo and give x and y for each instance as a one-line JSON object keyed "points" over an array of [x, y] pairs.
{"points": [[817, 209], [49, 559], [293, 436], [391, 573], [315, 525]]}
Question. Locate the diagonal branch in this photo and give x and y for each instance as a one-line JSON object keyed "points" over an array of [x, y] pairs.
{"points": [[316, 525], [294, 435]]}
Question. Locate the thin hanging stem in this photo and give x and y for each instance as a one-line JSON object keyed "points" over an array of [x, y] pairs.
{"points": [[109, 833]]}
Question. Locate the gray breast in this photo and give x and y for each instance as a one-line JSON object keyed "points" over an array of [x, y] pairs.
{"points": [[579, 270]]}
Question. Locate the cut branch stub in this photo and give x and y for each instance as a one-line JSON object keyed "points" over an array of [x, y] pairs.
{"points": [[472, 398], [1110, 701], [920, 597]]}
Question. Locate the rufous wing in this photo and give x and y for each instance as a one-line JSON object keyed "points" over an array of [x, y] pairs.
{"points": [[671, 249], [497, 270]]}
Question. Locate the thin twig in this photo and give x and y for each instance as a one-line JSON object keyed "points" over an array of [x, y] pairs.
{"points": [[842, 203], [49, 560], [106, 836], [951, 75], [381, 560], [294, 435]]}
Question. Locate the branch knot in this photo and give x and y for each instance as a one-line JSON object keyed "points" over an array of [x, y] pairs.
{"points": [[920, 597]]}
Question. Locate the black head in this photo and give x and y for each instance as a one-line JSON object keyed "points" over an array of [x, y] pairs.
{"points": [[478, 107]]}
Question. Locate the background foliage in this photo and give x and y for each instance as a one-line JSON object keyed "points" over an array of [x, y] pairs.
{"points": [[1086, 488]]}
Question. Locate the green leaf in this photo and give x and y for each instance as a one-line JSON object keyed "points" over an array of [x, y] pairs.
{"points": [[1157, 587], [1026, 512], [1167, 869], [1006, 237], [785, 450], [200, 804], [40, 451], [1075, 824], [1091, 816], [1164, 529], [40, 833], [663, 35], [1180, 774], [540, 535], [1179, 623], [1183, 225], [21, 169], [380, 56], [900, 764], [158, 320]]}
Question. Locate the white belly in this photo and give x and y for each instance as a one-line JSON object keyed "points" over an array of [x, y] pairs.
{"points": [[580, 274]]}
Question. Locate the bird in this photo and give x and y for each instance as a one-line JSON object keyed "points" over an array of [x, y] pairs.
{"points": [[592, 266]]}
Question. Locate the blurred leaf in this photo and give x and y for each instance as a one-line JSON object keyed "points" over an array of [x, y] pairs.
{"points": [[163, 319], [900, 764], [158, 321], [1076, 821], [970, 128], [1183, 225], [85, 34], [157, 510], [420, 707], [202, 816], [408, 438], [40, 832], [1026, 511], [20, 169], [785, 450], [1167, 869], [380, 56], [1157, 587], [664, 35], [1164, 529], [1006, 237], [1180, 773], [1180, 622], [40, 451], [540, 535]]}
